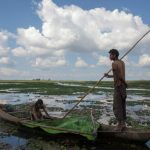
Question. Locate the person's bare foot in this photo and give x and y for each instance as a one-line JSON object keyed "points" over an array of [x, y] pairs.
{"points": [[121, 126]]}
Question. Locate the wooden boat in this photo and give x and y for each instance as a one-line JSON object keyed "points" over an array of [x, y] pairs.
{"points": [[70, 125], [128, 135], [106, 132]]}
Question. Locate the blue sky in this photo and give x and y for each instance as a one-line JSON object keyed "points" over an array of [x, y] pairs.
{"points": [[70, 40]]}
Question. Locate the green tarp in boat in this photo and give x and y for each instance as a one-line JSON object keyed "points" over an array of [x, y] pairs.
{"points": [[76, 125]]}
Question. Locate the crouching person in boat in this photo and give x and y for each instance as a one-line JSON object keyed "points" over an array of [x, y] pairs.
{"points": [[36, 111], [119, 101]]}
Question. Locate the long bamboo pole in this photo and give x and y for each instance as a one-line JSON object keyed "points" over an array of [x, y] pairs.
{"points": [[104, 76]]}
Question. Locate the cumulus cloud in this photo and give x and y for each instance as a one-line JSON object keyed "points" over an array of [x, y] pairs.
{"points": [[9, 72], [36, 44], [67, 30], [80, 63], [49, 62], [103, 60], [73, 29], [4, 60], [144, 60], [19, 51], [31, 37], [3, 43], [128, 62]]}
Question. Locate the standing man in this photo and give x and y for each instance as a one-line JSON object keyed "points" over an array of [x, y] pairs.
{"points": [[119, 100]]}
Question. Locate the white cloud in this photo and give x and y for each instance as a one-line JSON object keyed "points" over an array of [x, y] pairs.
{"points": [[9, 72], [127, 62], [68, 30], [19, 51], [36, 44], [80, 63], [3, 43], [31, 37], [100, 28], [103, 60], [49, 62], [144, 60], [4, 60], [138, 74], [74, 29]]}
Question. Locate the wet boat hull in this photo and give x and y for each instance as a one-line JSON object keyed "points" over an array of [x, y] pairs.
{"points": [[129, 134]]}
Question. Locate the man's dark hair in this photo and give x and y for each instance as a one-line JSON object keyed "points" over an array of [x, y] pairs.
{"points": [[39, 102], [114, 52]]}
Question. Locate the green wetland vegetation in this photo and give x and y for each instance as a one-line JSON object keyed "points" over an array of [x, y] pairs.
{"points": [[69, 87], [138, 104]]}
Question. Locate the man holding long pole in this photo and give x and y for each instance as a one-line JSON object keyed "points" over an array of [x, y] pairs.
{"points": [[119, 100], [105, 75]]}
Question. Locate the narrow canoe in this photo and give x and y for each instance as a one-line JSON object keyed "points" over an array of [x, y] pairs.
{"points": [[129, 134], [106, 132]]}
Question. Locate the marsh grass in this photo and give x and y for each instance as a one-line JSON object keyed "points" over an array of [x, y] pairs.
{"points": [[70, 88], [133, 103]]}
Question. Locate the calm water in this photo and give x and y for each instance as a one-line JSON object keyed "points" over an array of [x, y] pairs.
{"points": [[102, 100]]}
